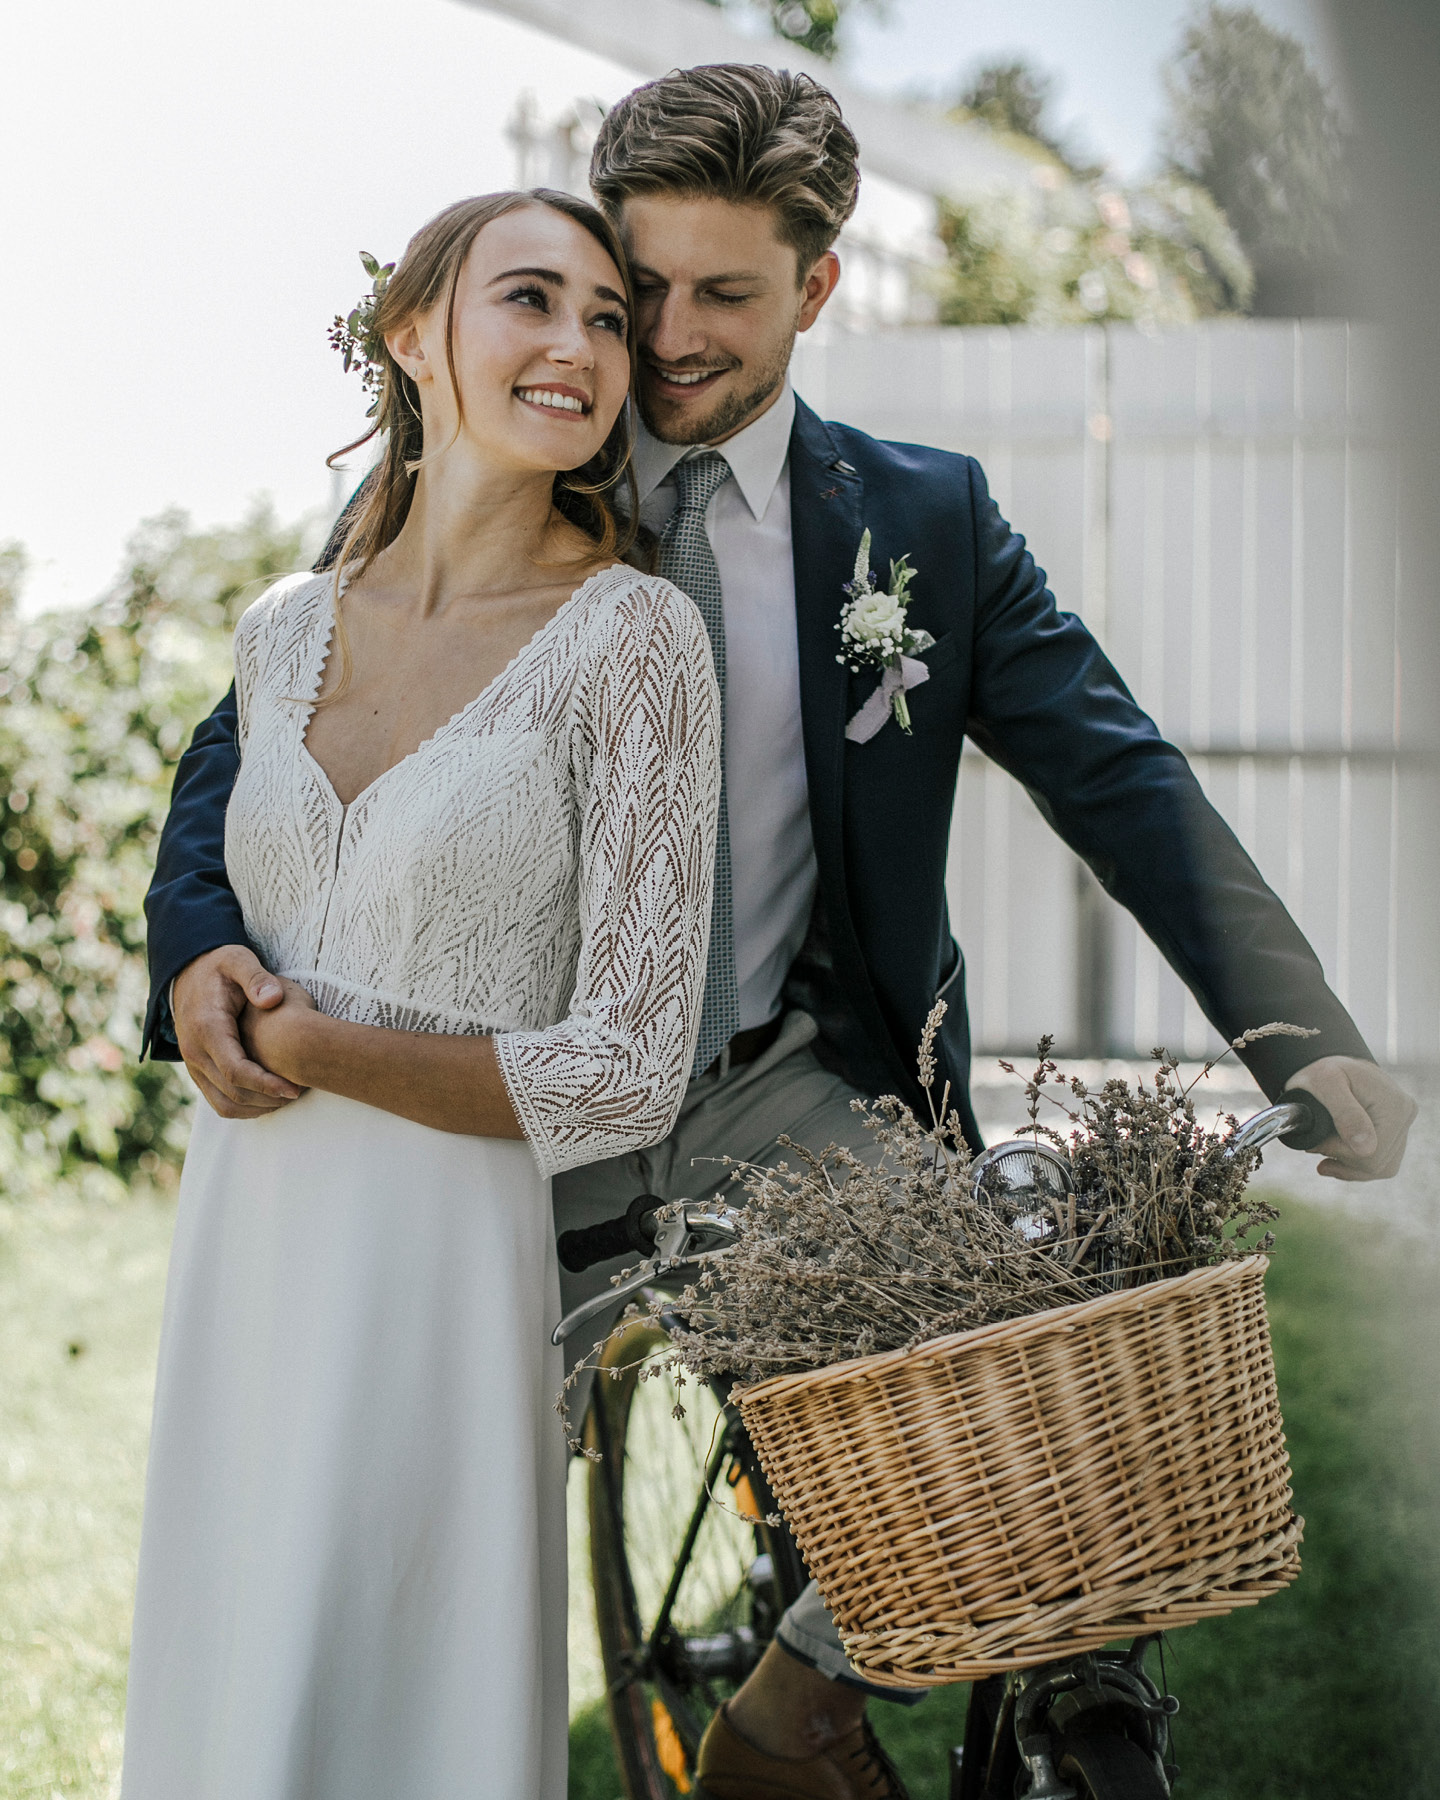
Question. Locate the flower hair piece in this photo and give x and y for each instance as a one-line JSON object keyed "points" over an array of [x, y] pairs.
{"points": [[356, 337]]}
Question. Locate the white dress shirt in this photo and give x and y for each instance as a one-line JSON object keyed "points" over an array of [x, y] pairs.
{"points": [[772, 855]]}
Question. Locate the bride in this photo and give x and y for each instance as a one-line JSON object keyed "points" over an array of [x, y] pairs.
{"points": [[473, 831]]}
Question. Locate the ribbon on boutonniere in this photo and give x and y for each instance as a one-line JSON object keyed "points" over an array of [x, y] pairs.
{"points": [[875, 636]]}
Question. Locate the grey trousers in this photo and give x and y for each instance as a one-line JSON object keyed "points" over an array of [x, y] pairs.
{"points": [[739, 1112]]}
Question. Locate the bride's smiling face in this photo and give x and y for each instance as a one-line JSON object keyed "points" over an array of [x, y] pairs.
{"points": [[539, 346]]}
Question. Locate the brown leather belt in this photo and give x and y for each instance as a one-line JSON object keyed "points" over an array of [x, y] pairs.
{"points": [[746, 1045]]}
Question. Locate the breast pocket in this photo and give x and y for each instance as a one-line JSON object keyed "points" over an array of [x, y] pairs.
{"points": [[941, 655], [937, 661], [935, 705]]}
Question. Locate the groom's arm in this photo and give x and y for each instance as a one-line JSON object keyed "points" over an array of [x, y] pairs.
{"points": [[196, 938], [190, 907], [1049, 707], [196, 941]]}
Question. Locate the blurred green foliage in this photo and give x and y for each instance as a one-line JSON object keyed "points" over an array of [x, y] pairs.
{"points": [[96, 706], [1071, 253], [1248, 214], [1016, 97], [1073, 246], [1251, 121], [813, 25]]}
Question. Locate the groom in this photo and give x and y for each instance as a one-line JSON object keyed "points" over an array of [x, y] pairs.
{"points": [[730, 185]]}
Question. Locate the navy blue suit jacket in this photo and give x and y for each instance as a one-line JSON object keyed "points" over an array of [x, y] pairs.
{"points": [[1029, 685]]}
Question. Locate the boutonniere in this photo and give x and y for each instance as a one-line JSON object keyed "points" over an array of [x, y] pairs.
{"points": [[875, 636]]}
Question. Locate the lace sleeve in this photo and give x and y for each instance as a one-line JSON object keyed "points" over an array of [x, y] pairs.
{"points": [[645, 739]]}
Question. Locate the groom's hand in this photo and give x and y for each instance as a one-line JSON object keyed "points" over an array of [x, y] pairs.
{"points": [[208, 998], [1372, 1115]]}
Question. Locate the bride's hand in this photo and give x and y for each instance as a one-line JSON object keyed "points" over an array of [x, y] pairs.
{"points": [[272, 1037]]}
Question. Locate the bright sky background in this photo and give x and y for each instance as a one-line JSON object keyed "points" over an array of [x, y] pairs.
{"points": [[187, 186]]}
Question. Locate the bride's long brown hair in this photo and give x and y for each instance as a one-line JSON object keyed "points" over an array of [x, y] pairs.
{"points": [[426, 274]]}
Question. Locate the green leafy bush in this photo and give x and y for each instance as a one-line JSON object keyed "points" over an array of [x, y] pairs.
{"points": [[96, 706], [1252, 122], [814, 25], [1073, 246], [1067, 252]]}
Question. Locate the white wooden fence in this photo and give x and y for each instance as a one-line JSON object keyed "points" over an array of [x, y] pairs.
{"points": [[1218, 504]]}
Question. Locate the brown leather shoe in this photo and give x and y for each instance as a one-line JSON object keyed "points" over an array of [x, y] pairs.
{"points": [[855, 1767]]}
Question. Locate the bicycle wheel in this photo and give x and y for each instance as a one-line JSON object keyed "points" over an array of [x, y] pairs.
{"points": [[1110, 1767], [687, 1595]]}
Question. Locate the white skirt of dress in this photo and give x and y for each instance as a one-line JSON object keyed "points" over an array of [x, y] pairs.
{"points": [[352, 1568]]}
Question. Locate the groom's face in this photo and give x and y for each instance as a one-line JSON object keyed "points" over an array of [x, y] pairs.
{"points": [[719, 299]]}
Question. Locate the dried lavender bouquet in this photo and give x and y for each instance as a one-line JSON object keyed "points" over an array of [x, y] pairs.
{"points": [[840, 1255], [1156, 1192]]}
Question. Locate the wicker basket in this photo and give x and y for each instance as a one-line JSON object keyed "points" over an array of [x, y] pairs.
{"points": [[1029, 1490]]}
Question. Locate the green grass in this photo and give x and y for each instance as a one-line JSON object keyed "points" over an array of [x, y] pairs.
{"points": [[80, 1288], [1330, 1691], [1333, 1687]]}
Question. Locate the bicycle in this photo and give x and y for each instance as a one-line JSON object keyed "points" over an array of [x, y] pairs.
{"points": [[688, 1593]]}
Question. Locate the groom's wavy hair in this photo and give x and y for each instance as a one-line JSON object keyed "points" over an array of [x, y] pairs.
{"points": [[740, 132], [426, 276]]}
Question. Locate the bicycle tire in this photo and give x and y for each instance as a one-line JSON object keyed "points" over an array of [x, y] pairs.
{"points": [[659, 1704], [1106, 1766]]}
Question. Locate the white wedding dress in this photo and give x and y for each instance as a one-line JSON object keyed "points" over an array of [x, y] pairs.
{"points": [[352, 1571]]}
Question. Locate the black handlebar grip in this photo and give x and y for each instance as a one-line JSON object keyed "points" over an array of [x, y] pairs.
{"points": [[632, 1234], [1316, 1126]]}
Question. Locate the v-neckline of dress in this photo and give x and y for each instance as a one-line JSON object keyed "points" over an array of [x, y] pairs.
{"points": [[456, 718]]}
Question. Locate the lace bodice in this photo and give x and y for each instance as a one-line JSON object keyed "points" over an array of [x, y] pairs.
{"points": [[540, 868]]}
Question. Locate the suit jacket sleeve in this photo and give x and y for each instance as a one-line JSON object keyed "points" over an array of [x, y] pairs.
{"points": [[191, 907], [1048, 706]]}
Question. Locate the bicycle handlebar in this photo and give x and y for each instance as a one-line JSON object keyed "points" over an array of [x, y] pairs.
{"points": [[1299, 1121], [669, 1237], [633, 1234]]}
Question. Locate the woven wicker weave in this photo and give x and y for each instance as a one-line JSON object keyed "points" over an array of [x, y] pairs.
{"points": [[1032, 1489]]}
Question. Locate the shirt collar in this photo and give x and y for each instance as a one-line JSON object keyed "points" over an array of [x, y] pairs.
{"points": [[756, 455]]}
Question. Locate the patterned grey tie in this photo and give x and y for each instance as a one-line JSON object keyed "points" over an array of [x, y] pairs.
{"points": [[687, 559]]}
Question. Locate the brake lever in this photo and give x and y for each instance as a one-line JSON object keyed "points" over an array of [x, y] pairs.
{"points": [[1300, 1121], [691, 1238]]}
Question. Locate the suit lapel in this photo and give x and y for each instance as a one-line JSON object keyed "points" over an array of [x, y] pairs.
{"points": [[826, 507]]}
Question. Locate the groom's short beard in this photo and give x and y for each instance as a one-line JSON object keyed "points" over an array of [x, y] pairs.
{"points": [[731, 413]]}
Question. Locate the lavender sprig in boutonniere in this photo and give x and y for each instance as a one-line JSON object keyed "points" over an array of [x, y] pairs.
{"points": [[875, 636]]}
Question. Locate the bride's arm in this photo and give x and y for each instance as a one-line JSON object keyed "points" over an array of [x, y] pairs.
{"points": [[645, 766], [450, 1083], [609, 1077]]}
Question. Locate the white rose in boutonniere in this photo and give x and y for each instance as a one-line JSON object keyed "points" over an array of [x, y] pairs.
{"points": [[875, 636], [874, 619]]}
